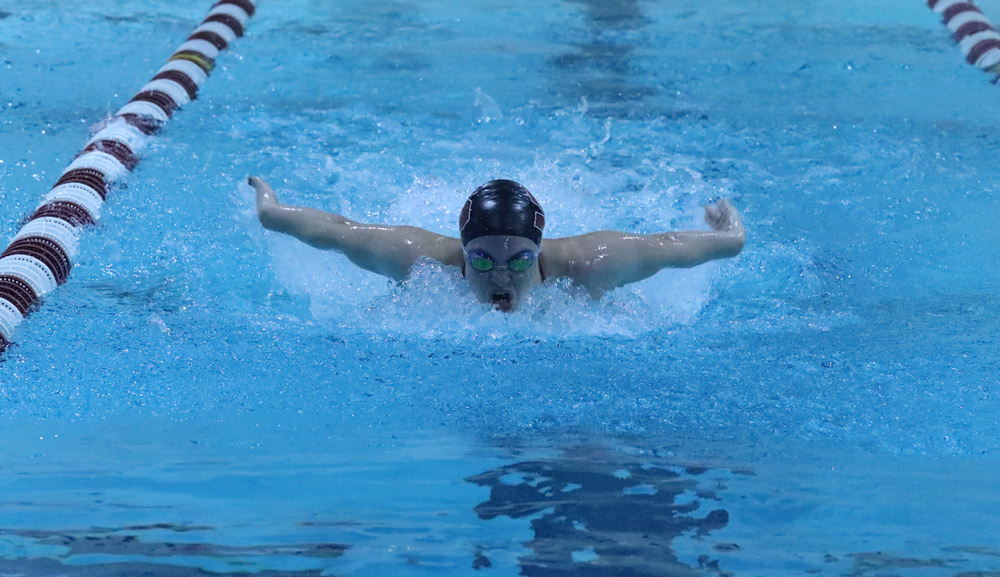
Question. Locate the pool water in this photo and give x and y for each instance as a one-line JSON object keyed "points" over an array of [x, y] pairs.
{"points": [[205, 396]]}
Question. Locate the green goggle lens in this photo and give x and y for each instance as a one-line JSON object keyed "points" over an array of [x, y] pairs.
{"points": [[520, 263], [482, 263], [485, 263]]}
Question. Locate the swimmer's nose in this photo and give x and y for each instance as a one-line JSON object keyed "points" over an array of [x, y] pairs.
{"points": [[501, 275]]}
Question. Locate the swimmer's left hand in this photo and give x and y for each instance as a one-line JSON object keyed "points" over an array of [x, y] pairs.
{"points": [[723, 216]]}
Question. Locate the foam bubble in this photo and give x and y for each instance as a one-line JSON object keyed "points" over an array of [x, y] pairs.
{"points": [[436, 303]]}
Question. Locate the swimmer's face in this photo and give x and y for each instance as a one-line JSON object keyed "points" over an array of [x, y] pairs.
{"points": [[512, 269]]}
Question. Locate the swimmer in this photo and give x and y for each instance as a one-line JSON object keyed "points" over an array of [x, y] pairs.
{"points": [[500, 249]]}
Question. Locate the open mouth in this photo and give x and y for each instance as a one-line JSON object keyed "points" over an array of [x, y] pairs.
{"points": [[502, 301]]}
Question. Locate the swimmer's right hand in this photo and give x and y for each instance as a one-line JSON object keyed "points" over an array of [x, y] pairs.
{"points": [[266, 199]]}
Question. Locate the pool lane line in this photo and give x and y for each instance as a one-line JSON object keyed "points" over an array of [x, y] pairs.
{"points": [[40, 255], [973, 32]]}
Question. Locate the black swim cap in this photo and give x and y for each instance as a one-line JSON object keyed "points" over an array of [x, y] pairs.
{"points": [[501, 207]]}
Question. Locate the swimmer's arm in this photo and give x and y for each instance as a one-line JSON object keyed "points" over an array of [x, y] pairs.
{"points": [[383, 249], [602, 261]]}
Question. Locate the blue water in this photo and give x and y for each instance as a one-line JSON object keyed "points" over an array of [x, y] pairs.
{"points": [[202, 393]]}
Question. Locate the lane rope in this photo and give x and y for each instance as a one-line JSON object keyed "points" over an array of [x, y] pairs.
{"points": [[973, 32], [40, 256]]}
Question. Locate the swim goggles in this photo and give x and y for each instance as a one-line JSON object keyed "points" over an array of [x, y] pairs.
{"points": [[483, 262]]}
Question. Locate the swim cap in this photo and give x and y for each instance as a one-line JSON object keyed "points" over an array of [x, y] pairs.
{"points": [[501, 207]]}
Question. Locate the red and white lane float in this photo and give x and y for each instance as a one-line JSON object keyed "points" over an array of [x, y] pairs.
{"points": [[40, 255], [974, 33]]}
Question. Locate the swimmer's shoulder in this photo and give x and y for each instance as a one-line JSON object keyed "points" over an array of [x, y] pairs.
{"points": [[561, 257], [579, 258], [445, 249]]}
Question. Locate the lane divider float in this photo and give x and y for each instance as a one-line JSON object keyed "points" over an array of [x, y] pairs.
{"points": [[973, 32], [40, 256]]}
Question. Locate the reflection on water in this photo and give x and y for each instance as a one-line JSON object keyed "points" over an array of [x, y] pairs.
{"points": [[602, 71], [599, 513], [563, 508], [609, 510], [140, 550], [49, 567]]}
